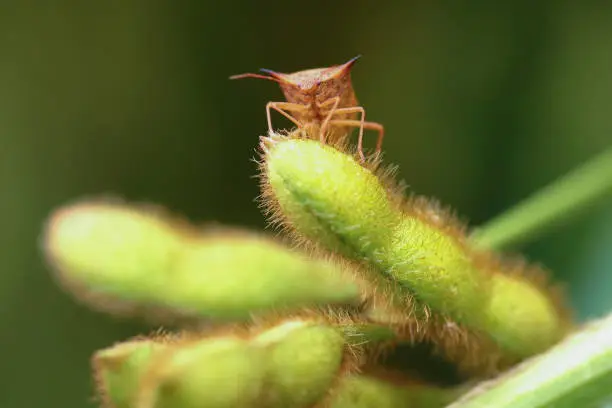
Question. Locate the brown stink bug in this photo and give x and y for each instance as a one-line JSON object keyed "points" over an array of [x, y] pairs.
{"points": [[323, 97]]}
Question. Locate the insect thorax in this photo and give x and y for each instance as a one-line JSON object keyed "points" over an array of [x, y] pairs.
{"points": [[317, 100]]}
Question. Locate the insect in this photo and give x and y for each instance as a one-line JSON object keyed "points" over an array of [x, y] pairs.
{"points": [[323, 97]]}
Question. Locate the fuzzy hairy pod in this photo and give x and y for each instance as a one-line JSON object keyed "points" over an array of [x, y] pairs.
{"points": [[132, 261], [118, 370], [312, 185], [304, 361], [291, 365], [220, 372], [327, 198]]}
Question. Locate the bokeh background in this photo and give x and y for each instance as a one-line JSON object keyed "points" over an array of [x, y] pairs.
{"points": [[483, 103]]}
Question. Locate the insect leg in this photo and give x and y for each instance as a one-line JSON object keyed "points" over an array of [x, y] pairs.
{"points": [[350, 122], [334, 102], [363, 125], [281, 107]]}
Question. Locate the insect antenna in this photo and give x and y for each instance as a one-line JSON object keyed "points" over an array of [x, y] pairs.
{"points": [[272, 76]]}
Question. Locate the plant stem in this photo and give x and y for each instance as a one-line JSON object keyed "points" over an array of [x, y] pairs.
{"points": [[564, 198], [575, 373]]}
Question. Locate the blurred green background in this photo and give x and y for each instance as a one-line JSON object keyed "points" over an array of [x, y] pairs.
{"points": [[483, 103]]}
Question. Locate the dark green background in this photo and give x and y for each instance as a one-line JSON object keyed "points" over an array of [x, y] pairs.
{"points": [[483, 103]]}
